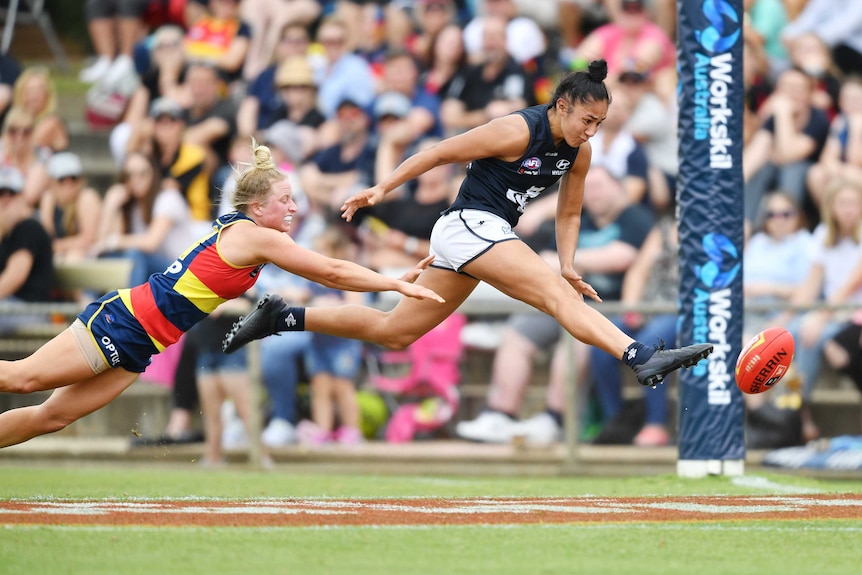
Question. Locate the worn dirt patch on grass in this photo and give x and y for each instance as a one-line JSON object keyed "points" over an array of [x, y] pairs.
{"points": [[424, 511]]}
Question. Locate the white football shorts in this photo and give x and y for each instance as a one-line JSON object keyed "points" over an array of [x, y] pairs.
{"points": [[461, 236]]}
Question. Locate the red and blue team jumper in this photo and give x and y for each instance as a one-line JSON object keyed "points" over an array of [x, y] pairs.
{"points": [[131, 325]]}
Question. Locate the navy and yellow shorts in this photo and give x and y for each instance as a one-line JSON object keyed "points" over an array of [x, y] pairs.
{"points": [[119, 336]]}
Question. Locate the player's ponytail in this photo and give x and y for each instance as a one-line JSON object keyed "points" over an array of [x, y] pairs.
{"points": [[585, 85], [254, 183]]}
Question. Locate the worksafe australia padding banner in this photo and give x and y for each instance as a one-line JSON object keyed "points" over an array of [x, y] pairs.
{"points": [[710, 192]]}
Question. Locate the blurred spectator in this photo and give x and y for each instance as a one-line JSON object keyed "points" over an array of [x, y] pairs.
{"points": [[26, 263], [756, 81], [334, 173], [18, 151], [396, 232], [489, 90], [629, 42], [653, 122], [844, 350], [114, 26], [346, 76], [577, 18], [837, 241], [812, 56], [615, 148], [332, 362], [268, 20], [36, 93], [612, 231], [10, 69], [211, 117], [221, 377], [775, 267], [525, 40], [766, 19], [263, 104], [446, 59], [653, 277], [142, 220], [787, 145], [70, 211], [431, 17], [777, 260], [162, 136], [842, 155], [838, 23], [220, 37], [297, 91], [401, 76], [165, 75]]}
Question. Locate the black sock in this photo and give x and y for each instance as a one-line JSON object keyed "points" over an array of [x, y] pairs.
{"points": [[636, 354], [291, 319], [555, 415]]}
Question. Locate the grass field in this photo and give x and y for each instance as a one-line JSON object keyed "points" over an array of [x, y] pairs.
{"points": [[615, 547]]}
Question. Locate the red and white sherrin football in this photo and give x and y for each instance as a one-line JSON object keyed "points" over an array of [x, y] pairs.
{"points": [[764, 360]]}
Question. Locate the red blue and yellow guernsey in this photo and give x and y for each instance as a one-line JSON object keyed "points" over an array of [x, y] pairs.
{"points": [[131, 325]]}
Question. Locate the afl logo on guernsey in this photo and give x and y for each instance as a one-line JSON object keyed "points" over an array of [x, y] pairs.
{"points": [[530, 166]]}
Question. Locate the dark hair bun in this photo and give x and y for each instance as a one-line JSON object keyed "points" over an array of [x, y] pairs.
{"points": [[598, 70]]}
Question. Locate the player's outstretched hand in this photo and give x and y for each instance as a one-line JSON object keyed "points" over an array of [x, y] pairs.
{"points": [[410, 276], [365, 198], [419, 292], [581, 286]]}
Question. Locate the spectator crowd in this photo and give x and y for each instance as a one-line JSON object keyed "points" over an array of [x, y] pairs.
{"points": [[343, 90]]}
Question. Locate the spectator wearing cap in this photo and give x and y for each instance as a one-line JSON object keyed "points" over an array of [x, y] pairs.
{"points": [[401, 76], [336, 171], [17, 151], [489, 90], [262, 104], [630, 41], [26, 263], [346, 75], [297, 90], [182, 164], [163, 78], [70, 210]]}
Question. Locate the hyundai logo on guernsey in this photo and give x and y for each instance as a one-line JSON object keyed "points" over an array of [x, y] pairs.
{"points": [[562, 167], [713, 70], [712, 313], [531, 166]]}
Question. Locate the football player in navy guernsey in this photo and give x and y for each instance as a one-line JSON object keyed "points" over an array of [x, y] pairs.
{"points": [[512, 160]]}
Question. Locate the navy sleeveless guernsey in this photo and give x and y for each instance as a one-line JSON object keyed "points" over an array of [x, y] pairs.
{"points": [[505, 188]]}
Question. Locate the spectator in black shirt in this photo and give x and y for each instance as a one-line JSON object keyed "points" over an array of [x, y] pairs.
{"points": [[26, 261]]}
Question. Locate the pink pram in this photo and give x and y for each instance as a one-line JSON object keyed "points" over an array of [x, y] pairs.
{"points": [[434, 373]]}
